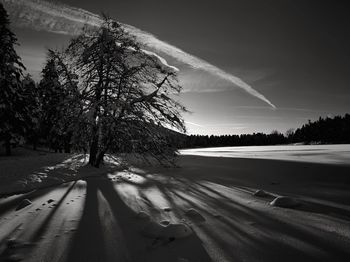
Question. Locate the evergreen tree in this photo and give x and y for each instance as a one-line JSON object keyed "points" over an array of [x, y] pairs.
{"points": [[55, 106], [12, 104], [324, 130], [33, 110]]}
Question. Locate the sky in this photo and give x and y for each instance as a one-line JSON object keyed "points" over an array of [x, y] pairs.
{"points": [[245, 66]]}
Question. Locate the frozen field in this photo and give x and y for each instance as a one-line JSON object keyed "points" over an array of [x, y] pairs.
{"points": [[335, 154]]}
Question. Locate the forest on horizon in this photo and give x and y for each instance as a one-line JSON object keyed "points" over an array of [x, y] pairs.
{"points": [[327, 130]]}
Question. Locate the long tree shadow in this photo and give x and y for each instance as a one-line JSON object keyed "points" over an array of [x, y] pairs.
{"points": [[243, 231], [14, 201], [88, 242], [236, 214], [325, 187], [314, 243], [45, 224], [191, 248], [23, 244]]}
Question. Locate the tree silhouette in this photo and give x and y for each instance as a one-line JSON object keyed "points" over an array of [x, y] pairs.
{"points": [[124, 92], [57, 105], [326, 131], [33, 112], [12, 104]]}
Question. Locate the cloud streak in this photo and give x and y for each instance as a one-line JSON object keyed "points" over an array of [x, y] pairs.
{"points": [[161, 59], [63, 19], [193, 124], [230, 125]]}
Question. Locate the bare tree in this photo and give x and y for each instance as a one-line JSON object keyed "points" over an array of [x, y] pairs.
{"points": [[125, 93]]}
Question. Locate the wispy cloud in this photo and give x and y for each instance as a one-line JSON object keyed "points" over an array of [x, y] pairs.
{"points": [[280, 109], [193, 124], [63, 19], [161, 59], [230, 125], [233, 126]]}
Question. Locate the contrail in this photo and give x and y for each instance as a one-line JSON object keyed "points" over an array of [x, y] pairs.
{"points": [[194, 124], [59, 18], [161, 59]]}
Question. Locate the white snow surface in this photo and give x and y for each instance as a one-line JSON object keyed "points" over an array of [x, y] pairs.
{"points": [[117, 214], [334, 154]]}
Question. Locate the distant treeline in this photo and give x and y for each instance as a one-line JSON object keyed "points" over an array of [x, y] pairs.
{"points": [[323, 131]]}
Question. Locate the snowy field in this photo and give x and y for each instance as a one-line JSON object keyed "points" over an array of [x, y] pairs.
{"points": [[206, 209], [335, 154]]}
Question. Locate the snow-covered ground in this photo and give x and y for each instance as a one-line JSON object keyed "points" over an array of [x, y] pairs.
{"points": [[337, 154], [28, 170], [203, 210]]}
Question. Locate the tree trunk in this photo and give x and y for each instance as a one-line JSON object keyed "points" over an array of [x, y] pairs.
{"points": [[93, 151], [94, 145], [99, 159], [8, 147]]}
